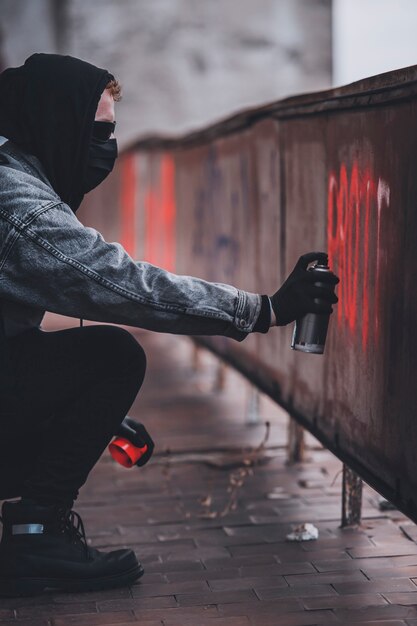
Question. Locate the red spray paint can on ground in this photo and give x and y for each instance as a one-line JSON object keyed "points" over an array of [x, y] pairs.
{"points": [[310, 331], [132, 445]]}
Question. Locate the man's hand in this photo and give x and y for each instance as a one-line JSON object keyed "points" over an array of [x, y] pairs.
{"points": [[139, 438], [299, 295]]}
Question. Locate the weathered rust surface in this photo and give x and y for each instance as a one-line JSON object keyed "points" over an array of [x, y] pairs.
{"points": [[240, 201]]}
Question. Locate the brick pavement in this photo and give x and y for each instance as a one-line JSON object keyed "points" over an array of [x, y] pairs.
{"points": [[208, 563]]}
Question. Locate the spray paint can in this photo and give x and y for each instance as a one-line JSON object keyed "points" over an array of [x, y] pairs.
{"points": [[130, 443], [310, 331]]}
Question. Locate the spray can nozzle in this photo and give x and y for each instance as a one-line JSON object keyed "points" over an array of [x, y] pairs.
{"points": [[125, 453]]}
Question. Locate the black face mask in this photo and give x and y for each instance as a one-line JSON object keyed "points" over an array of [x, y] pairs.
{"points": [[101, 158], [50, 92]]}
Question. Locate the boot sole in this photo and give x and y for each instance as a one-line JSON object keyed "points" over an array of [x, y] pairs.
{"points": [[10, 588]]}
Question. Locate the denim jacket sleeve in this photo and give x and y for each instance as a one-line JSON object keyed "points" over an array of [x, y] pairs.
{"points": [[52, 261]]}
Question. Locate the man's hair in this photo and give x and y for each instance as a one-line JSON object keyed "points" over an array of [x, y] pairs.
{"points": [[115, 89]]}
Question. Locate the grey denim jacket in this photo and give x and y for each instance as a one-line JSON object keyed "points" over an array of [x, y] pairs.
{"points": [[49, 261]]}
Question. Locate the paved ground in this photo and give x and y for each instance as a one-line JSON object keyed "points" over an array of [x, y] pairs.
{"points": [[208, 564]]}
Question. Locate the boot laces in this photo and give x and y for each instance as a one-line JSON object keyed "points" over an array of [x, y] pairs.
{"points": [[73, 527]]}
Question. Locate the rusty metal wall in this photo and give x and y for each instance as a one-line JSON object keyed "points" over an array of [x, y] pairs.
{"points": [[240, 201]]}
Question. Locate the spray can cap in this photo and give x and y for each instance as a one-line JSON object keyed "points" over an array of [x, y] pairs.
{"points": [[125, 453]]}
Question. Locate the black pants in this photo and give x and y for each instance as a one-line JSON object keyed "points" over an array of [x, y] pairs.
{"points": [[63, 396]]}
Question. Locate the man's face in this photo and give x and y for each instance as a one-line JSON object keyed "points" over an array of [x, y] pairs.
{"points": [[105, 109]]}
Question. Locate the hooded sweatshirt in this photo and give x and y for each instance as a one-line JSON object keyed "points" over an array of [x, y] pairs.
{"points": [[48, 259], [47, 109]]}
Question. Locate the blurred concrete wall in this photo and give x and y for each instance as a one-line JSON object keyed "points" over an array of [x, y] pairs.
{"points": [[182, 63]]}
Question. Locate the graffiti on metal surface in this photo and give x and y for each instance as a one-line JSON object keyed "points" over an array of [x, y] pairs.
{"points": [[227, 254], [160, 217], [355, 203], [213, 236]]}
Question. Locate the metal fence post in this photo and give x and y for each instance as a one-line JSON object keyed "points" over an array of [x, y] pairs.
{"points": [[351, 498], [295, 449], [252, 415], [219, 381], [196, 358]]}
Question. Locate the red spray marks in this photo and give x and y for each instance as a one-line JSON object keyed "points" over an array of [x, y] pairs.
{"points": [[355, 204], [160, 217], [128, 203]]}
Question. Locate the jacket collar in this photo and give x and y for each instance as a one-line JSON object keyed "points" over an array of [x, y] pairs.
{"points": [[18, 159]]}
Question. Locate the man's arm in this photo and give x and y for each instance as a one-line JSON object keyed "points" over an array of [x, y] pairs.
{"points": [[58, 264]]}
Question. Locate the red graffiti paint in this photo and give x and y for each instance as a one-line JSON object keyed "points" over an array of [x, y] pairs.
{"points": [[128, 203], [355, 202], [160, 216]]}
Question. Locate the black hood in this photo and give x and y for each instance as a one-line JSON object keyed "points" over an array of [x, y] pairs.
{"points": [[47, 108]]}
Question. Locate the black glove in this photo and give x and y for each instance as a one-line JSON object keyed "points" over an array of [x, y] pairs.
{"points": [[137, 434], [300, 295]]}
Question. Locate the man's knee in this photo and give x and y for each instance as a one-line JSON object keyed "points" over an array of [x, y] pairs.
{"points": [[122, 350]]}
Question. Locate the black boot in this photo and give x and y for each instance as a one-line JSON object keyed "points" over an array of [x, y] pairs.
{"points": [[45, 548]]}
